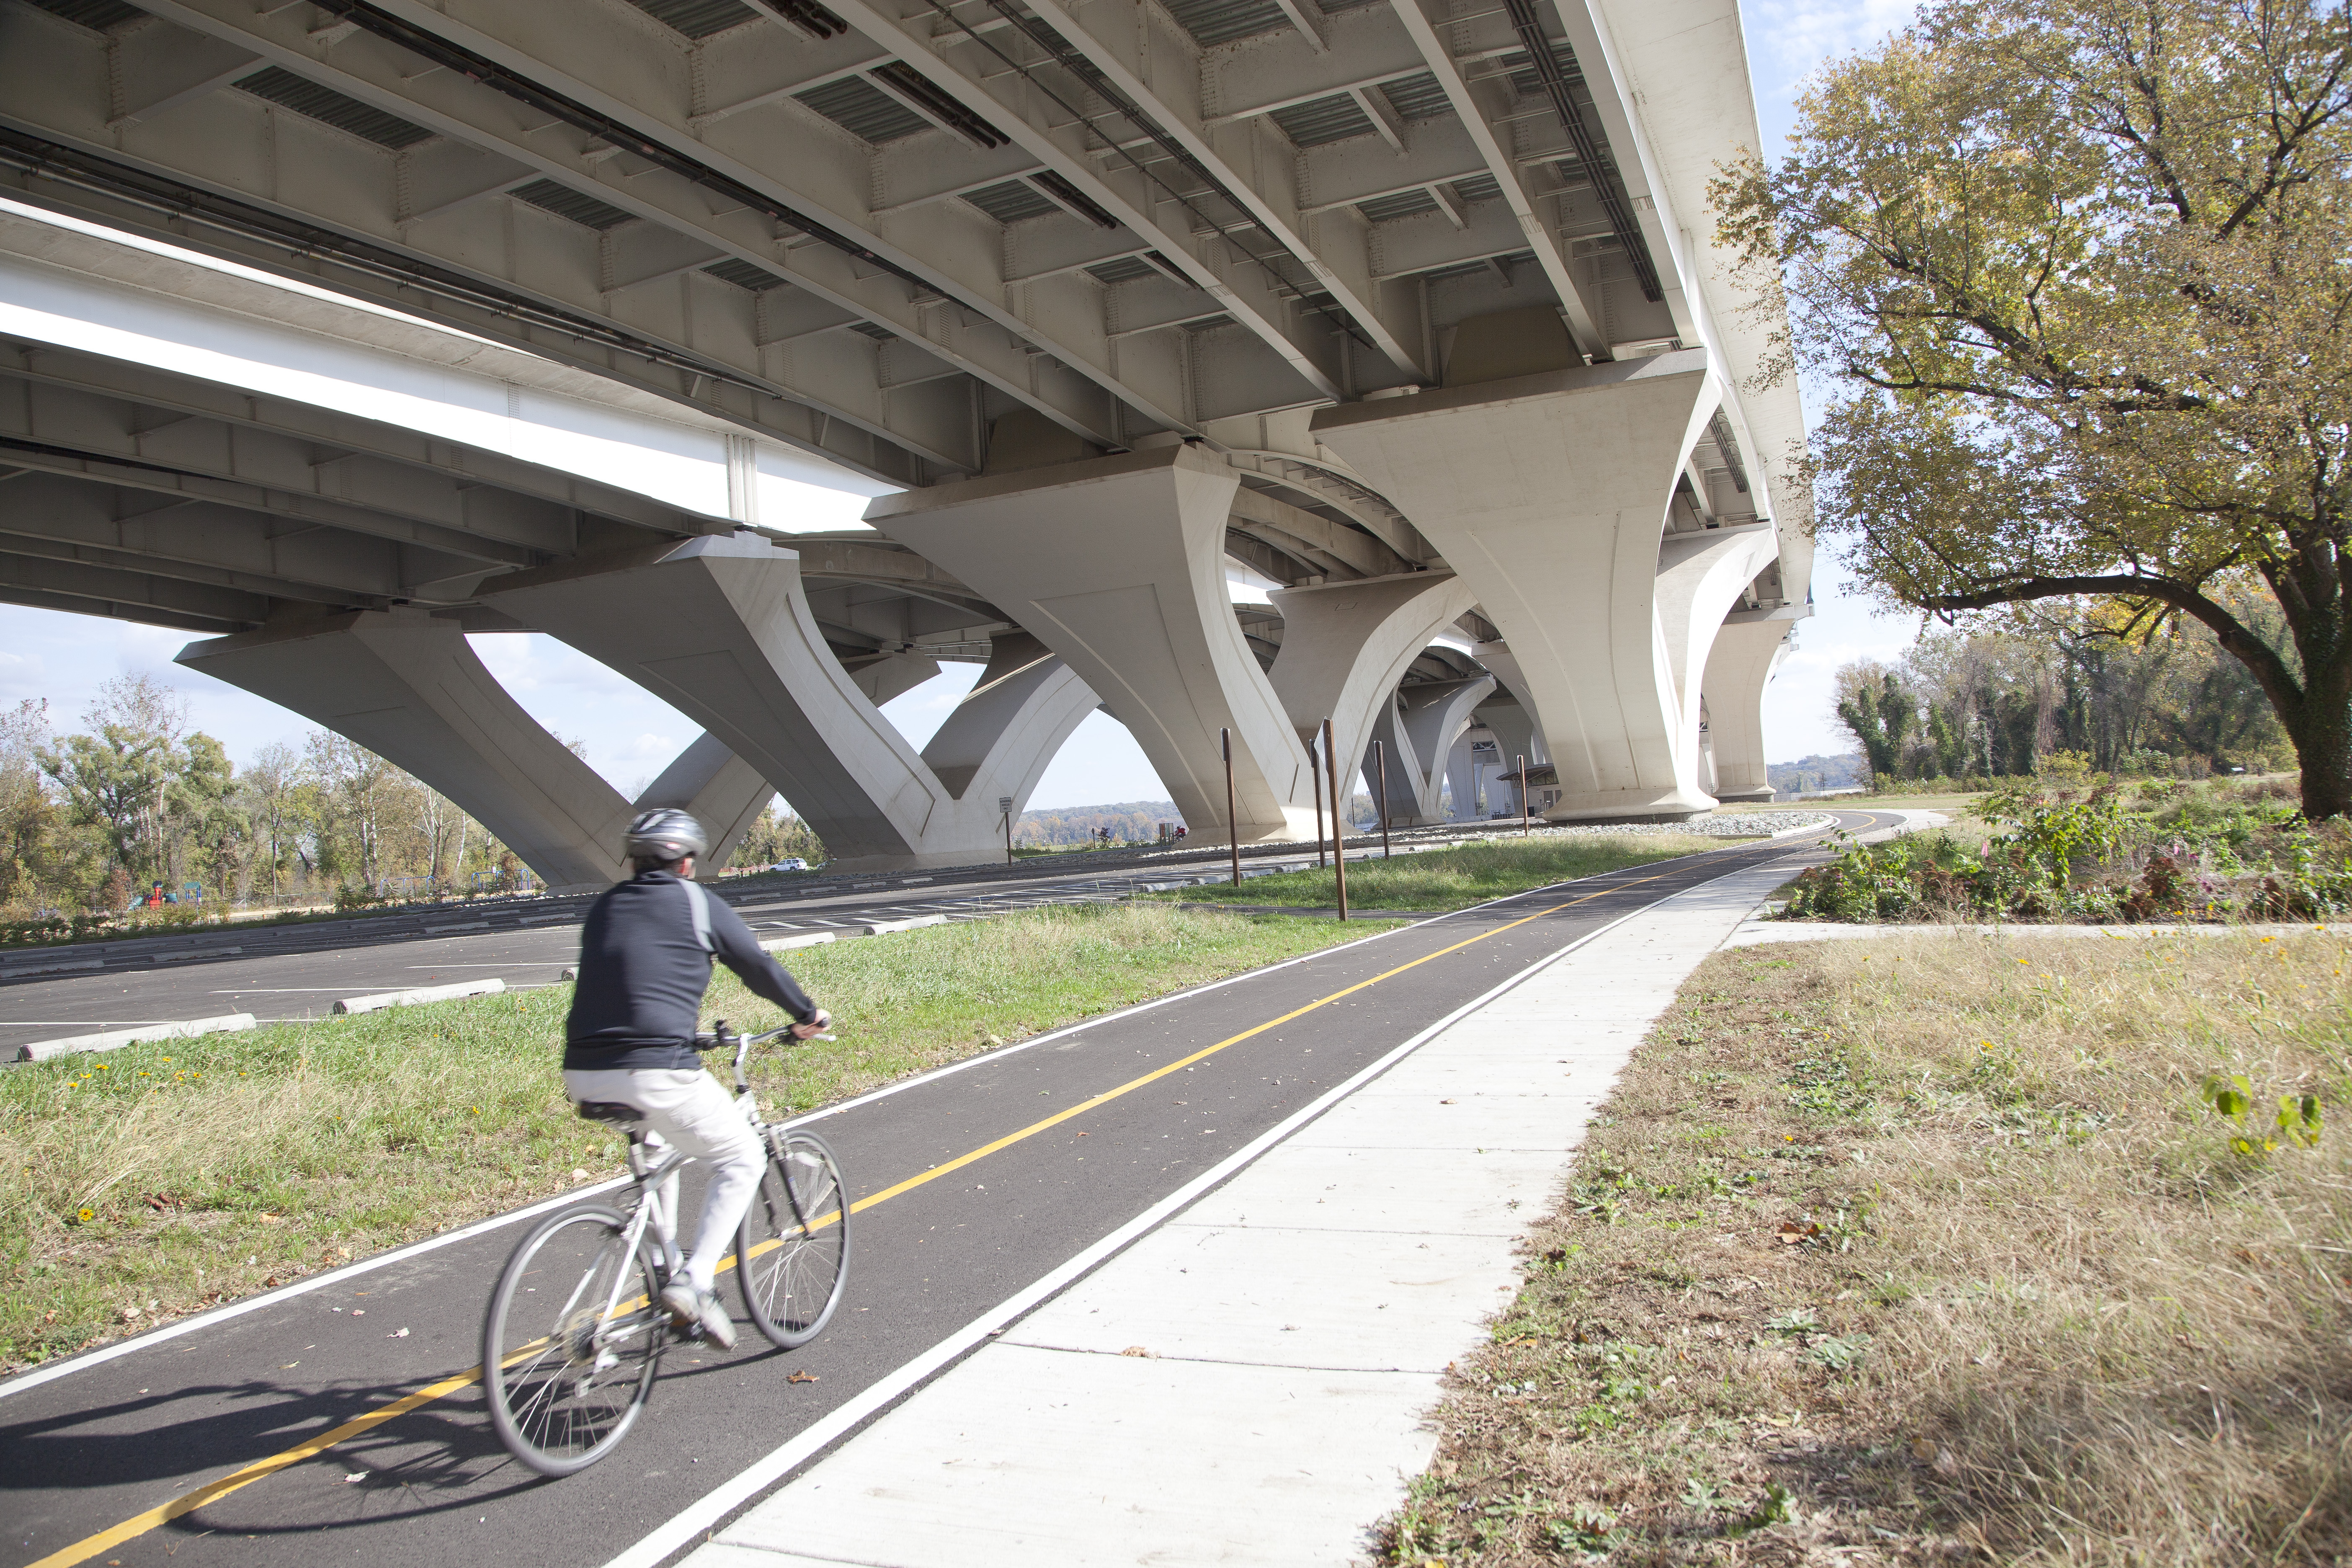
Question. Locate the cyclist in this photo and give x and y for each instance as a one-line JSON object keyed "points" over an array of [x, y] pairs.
{"points": [[644, 963]]}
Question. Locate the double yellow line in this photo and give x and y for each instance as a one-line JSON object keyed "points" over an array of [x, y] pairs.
{"points": [[212, 1491]]}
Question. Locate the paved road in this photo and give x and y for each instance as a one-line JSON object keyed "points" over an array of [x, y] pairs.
{"points": [[298, 971], [98, 1447]]}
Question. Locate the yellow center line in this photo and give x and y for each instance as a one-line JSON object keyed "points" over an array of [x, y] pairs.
{"points": [[164, 1513]]}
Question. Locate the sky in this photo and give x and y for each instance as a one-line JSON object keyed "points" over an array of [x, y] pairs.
{"points": [[630, 735]]}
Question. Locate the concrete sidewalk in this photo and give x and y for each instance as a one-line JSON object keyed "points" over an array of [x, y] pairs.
{"points": [[1249, 1382]]}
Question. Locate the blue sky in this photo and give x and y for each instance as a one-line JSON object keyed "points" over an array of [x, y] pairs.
{"points": [[630, 735]]}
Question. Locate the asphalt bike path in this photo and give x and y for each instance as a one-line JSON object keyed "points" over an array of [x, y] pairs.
{"points": [[343, 1423]]}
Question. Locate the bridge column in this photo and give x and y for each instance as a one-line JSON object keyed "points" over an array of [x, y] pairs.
{"points": [[1117, 566], [1345, 647], [717, 788], [1700, 576], [720, 629], [1738, 668], [409, 688], [1549, 493], [1420, 730]]}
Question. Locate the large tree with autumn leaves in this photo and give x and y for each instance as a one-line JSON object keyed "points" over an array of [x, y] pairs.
{"points": [[2080, 272]]}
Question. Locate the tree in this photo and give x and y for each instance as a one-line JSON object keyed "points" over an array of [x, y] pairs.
{"points": [[272, 794], [1873, 704], [357, 789], [2082, 271], [115, 778], [31, 825]]}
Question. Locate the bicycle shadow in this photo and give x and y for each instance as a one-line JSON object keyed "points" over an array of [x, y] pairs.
{"points": [[437, 1457]]}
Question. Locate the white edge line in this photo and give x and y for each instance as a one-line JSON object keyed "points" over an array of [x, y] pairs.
{"points": [[26, 1380], [659, 1546]]}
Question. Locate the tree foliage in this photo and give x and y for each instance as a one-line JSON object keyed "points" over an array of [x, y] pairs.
{"points": [[2081, 272], [2003, 702]]}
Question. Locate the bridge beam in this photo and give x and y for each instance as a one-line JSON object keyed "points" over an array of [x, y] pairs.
{"points": [[1550, 494], [1345, 647], [409, 688], [1117, 566], [1420, 729], [720, 629], [1738, 668]]}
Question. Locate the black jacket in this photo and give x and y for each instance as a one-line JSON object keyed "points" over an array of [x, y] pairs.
{"points": [[644, 963]]}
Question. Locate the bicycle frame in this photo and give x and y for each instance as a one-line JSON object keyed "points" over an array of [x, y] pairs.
{"points": [[650, 1202]]}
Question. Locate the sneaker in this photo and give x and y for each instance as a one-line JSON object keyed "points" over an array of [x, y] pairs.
{"points": [[691, 1308]]}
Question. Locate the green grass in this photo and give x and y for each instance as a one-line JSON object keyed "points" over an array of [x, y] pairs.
{"points": [[157, 1180], [1456, 879]]}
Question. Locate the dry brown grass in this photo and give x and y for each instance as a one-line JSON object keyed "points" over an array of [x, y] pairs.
{"points": [[1927, 1249]]}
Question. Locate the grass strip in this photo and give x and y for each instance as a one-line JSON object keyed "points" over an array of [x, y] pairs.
{"points": [[1455, 878], [1933, 1249], [159, 1180]]}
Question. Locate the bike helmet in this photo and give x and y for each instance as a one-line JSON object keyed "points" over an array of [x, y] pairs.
{"points": [[665, 835]]}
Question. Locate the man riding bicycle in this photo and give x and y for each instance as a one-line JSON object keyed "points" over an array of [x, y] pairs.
{"points": [[644, 962]]}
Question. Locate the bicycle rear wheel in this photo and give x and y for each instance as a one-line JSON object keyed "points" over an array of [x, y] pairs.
{"points": [[566, 1380], [792, 1254]]}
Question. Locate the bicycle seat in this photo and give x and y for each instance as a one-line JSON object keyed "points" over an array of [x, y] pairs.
{"points": [[608, 1111]]}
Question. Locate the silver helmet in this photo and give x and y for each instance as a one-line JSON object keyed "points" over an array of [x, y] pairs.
{"points": [[665, 835]]}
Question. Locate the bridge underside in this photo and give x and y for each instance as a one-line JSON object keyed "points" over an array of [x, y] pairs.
{"points": [[1391, 309]]}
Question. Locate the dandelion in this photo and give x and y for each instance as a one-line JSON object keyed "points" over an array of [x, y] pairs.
{"points": [[86, 1215]]}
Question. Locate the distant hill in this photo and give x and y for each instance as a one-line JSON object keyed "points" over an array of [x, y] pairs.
{"points": [[1819, 772], [1129, 821]]}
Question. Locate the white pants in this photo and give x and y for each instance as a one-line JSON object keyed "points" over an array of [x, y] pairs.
{"points": [[686, 1108]]}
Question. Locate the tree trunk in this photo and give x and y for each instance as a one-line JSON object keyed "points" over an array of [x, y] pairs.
{"points": [[2322, 732]]}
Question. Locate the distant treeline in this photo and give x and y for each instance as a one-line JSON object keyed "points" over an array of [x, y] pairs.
{"points": [[1129, 821], [1849, 772]]}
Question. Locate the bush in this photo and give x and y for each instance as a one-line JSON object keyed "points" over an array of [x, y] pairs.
{"points": [[2230, 851]]}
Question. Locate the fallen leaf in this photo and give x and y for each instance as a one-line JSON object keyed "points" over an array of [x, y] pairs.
{"points": [[1923, 1447], [1792, 1233], [1445, 1102], [801, 1377], [269, 1219], [1135, 1350]]}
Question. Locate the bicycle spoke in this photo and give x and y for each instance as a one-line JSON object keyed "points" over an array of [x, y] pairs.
{"points": [[792, 1252], [564, 1387]]}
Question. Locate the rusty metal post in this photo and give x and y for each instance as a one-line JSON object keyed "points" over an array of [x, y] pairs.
{"points": [[1339, 823], [1315, 780], [1233, 816]]}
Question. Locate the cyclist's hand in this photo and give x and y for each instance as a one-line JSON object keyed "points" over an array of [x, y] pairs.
{"points": [[814, 1027]]}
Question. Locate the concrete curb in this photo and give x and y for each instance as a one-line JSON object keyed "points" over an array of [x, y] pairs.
{"points": [[777, 944], [384, 999], [1759, 933], [114, 1039]]}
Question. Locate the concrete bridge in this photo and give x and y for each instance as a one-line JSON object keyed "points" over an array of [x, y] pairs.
{"points": [[1409, 312]]}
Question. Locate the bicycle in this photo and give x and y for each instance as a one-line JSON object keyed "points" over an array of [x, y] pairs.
{"points": [[567, 1376]]}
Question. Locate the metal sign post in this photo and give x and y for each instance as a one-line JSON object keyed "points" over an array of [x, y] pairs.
{"points": [[1315, 780], [1381, 756], [1523, 793], [1339, 823], [1005, 805], [1233, 817]]}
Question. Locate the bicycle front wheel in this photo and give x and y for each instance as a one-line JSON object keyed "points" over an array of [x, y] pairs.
{"points": [[793, 1251], [572, 1341]]}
